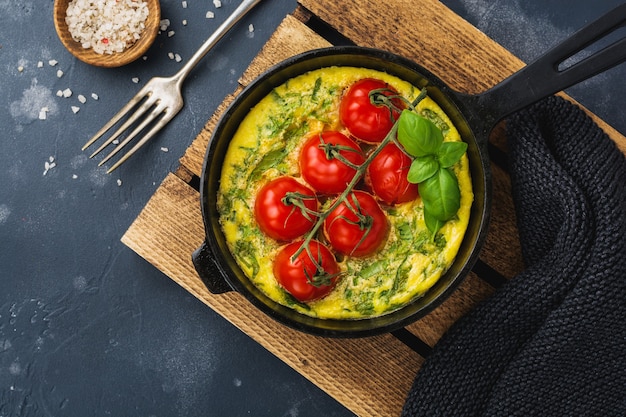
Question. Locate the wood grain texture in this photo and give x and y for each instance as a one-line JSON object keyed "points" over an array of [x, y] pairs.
{"points": [[369, 376], [426, 32]]}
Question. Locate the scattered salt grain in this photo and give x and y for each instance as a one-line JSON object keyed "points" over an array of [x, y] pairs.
{"points": [[170, 55], [53, 62], [67, 93], [210, 15], [74, 176], [164, 24], [119, 182], [251, 28], [177, 58], [43, 113], [94, 96], [184, 22], [40, 64], [164, 149], [82, 98], [59, 73], [184, 3], [170, 33], [20, 68], [75, 109], [217, 3], [59, 93], [135, 80], [48, 165]]}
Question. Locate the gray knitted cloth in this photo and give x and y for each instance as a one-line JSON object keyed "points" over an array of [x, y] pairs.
{"points": [[552, 341]]}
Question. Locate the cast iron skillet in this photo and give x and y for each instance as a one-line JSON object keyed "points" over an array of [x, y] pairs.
{"points": [[473, 115]]}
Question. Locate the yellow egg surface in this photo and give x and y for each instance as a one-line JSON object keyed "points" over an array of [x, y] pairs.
{"points": [[267, 145]]}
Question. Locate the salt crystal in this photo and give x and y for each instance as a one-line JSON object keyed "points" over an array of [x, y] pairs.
{"points": [[184, 22], [177, 58], [251, 28], [48, 165], [210, 15], [170, 55], [59, 73], [40, 64], [74, 176], [119, 183], [75, 109], [67, 93], [164, 149], [53, 62], [43, 113], [184, 3], [135, 80], [59, 93], [82, 98], [170, 33], [217, 3], [94, 96], [20, 68], [164, 24]]}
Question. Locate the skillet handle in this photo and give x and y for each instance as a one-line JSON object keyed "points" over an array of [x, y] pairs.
{"points": [[545, 76], [209, 271]]}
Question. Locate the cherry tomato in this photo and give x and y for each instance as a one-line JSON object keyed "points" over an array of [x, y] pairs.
{"points": [[328, 160], [386, 175], [365, 120], [358, 226], [285, 209], [311, 275]]}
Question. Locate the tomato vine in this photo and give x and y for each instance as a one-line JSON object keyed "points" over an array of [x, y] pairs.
{"points": [[431, 167]]}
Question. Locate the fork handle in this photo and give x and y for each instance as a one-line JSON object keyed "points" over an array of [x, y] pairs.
{"points": [[235, 17]]}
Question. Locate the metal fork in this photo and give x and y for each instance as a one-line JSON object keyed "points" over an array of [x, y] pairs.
{"points": [[161, 97]]}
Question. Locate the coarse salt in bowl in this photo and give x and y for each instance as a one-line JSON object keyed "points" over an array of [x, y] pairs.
{"points": [[107, 33]]}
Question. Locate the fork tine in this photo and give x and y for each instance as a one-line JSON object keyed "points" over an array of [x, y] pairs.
{"points": [[116, 118], [162, 122], [132, 119], [147, 120]]}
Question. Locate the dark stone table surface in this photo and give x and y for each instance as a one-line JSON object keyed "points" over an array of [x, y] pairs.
{"points": [[87, 327]]}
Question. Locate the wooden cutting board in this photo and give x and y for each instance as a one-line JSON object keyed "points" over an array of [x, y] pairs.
{"points": [[370, 376]]}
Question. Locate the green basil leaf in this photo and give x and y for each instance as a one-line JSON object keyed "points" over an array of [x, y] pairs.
{"points": [[450, 152], [441, 195], [418, 135], [422, 168], [269, 160], [432, 223]]}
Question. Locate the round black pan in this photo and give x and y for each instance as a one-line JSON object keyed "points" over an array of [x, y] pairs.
{"points": [[473, 115]]}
